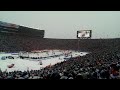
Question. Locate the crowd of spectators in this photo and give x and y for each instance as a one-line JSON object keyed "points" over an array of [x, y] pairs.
{"points": [[98, 65], [16, 43], [103, 62]]}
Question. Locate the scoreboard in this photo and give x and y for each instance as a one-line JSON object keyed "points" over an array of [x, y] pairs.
{"points": [[84, 34]]}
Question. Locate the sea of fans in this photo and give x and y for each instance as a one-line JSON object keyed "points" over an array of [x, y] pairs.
{"points": [[98, 65], [102, 63]]}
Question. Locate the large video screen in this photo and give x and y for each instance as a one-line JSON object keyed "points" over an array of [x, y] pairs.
{"points": [[84, 34]]}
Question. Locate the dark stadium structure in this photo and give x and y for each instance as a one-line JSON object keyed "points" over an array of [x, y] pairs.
{"points": [[103, 61], [13, 29], [15, 38], [28, 41]]}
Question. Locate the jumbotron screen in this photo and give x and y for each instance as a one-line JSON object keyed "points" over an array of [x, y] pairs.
{"points": [[84, 34]]}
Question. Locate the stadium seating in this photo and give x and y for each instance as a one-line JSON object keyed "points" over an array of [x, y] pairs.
{"points": [[102, 63]]}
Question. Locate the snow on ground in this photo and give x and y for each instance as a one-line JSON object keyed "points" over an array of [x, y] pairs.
{"points": [[25, 64]]}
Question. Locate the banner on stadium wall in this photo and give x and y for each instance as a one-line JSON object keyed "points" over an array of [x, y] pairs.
{"points": [[9, 25]]}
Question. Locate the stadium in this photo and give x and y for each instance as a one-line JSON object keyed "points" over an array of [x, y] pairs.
{"points": [[26, 54]]}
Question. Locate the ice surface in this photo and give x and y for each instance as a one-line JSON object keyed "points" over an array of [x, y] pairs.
{"points": [[25, 64]]}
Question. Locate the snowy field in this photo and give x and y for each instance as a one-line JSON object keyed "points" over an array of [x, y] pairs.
{"points": [[34, 64]]}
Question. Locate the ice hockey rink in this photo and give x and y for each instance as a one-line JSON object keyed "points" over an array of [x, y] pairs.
{"points": [[34, 64]]}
